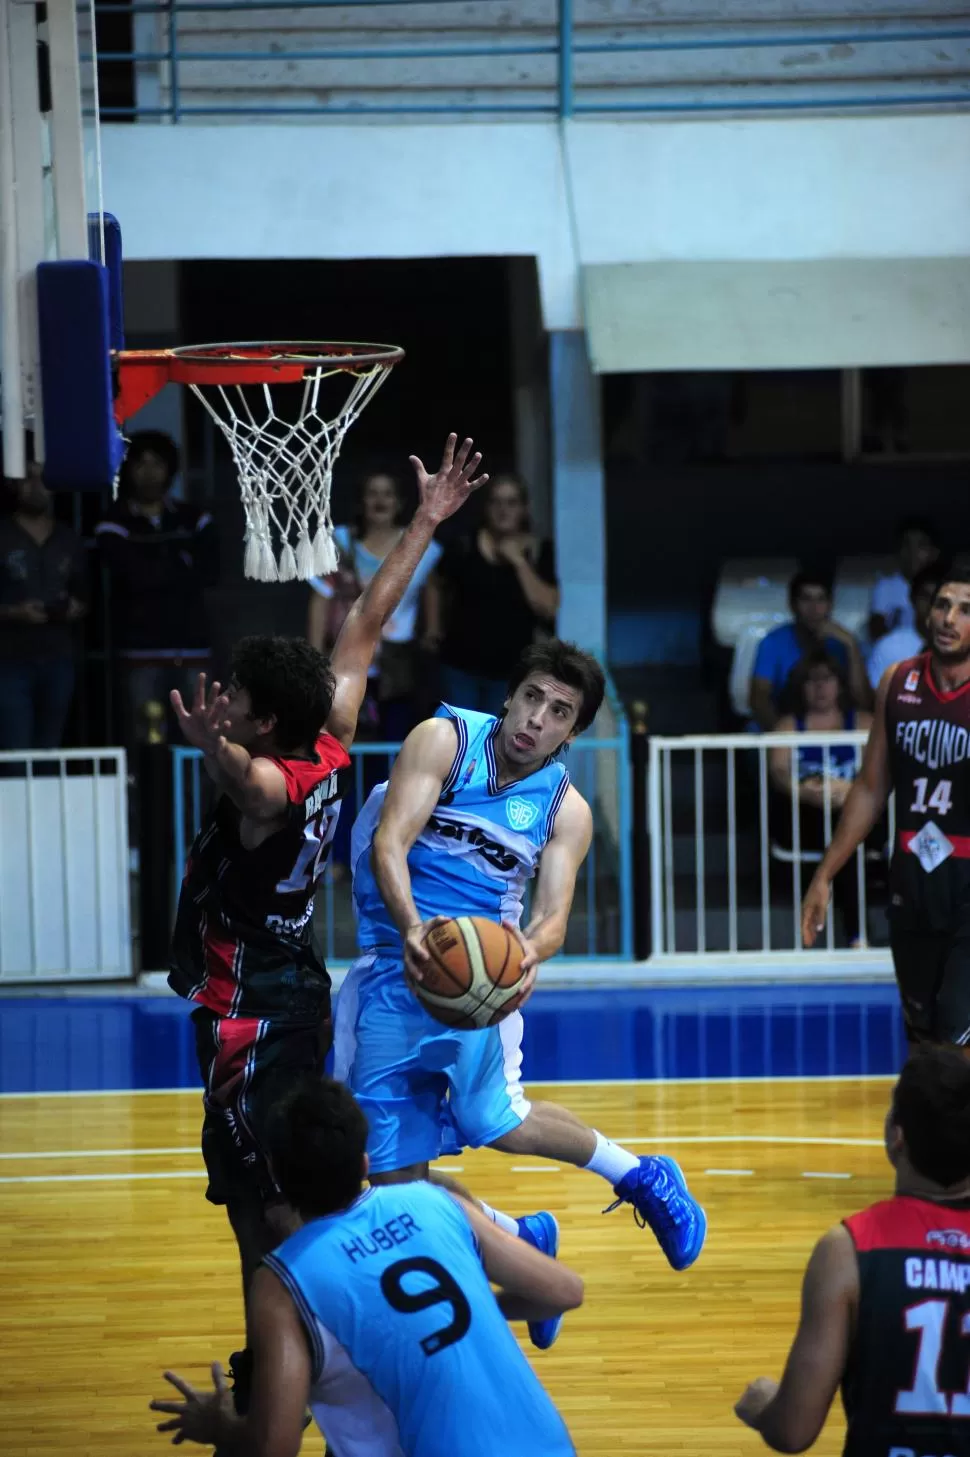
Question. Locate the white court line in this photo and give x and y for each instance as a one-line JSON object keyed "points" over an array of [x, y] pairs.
{"points": [[99, 1178], [731, 1173], [754, 1138], [654, 1140], [536, 1169], [529, 1083], [99, 1153], [826, 1176]]}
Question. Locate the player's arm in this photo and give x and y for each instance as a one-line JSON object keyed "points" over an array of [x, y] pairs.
{"points": [[413, 790], [558, 868], [865, 803], [791, 1415], [255, 786], [530, 1286], [440, 496], [281, 1385]]}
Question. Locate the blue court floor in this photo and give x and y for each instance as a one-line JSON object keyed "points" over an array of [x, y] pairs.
{"points": [[83, 1044]]}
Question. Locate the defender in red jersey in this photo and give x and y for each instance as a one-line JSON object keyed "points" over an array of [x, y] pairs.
{"points": [[275, 746], [919, 746], [886, 1296]]}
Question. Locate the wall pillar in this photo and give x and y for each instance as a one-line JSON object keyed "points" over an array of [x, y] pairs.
{"points": [[579, 506]]}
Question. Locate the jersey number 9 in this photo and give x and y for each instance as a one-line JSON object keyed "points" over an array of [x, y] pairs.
{"points": [[444, 1291]]}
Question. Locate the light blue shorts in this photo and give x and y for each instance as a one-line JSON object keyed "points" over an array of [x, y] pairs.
{"points": [[426, 1089]]}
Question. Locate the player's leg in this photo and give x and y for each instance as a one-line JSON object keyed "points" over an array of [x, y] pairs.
{"points": [[952, 1010], [390, 1053], [918, 961], [489, 1106], [248, 1064]]}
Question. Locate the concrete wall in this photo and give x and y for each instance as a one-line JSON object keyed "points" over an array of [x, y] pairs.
{"points": [[594, 192]]}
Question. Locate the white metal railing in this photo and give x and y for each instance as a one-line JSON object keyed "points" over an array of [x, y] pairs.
{"points": [[64, 866], [731, 849]]}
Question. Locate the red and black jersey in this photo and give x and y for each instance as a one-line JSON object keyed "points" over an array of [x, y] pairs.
{"points": [[928, 733], [907, 1384], [242, 942]]}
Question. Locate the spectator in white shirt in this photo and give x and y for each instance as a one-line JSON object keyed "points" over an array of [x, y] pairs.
{"points": [[907, 642], [891, 605]]}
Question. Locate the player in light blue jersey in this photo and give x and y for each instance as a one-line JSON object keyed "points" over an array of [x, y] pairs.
{"points": [[377, 1312], [474, 808]]}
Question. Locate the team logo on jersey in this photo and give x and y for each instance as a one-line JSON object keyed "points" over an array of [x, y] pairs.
{"points": [[950, 1239], [522, 815], [912, 681]]}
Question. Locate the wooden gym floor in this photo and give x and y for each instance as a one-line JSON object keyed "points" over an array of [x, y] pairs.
{"points": [[113, 1266]]}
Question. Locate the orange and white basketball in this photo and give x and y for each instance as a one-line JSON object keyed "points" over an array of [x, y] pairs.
{"points": [[473, 976]]}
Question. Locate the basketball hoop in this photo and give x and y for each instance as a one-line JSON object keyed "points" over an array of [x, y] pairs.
{"points": [[284, 442]]}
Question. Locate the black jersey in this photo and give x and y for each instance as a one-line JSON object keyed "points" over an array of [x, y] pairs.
{"points": [[242, 943], [928, 734], [907, 1384]]}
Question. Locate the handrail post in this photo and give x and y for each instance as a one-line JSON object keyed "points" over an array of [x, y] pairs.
{"points": [[565, 58], [173, 59], [639, 751]]}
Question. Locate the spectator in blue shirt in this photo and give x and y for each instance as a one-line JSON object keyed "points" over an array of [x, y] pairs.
{"points": [[810, 598]]}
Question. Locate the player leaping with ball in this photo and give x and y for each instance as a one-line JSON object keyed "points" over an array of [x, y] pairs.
{"points": [[474, 808]]}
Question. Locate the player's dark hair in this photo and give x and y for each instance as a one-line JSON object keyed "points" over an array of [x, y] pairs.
{"points": [[316, 1138], [568, 664], [911, 524], [286, 678], [141, 443], [808, 577], [931, 1104], [819, 657]]}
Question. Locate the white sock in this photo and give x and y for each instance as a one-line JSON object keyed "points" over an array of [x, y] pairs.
{"points": [[497, 1217], [611, 1161]]}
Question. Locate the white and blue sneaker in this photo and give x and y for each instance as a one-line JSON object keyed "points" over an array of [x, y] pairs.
{"points": [[542, 1231], [658, 1192]]}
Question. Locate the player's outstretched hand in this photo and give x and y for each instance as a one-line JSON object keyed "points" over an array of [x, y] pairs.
{"points": [[441, 494], [815, 908], [750, 1407], [530, 961], [202, 1416], [204, 724]]}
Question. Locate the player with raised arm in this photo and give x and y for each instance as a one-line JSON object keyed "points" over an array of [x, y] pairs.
{"points": [[919, 746], [275, 745], [474, 808], [377, 1313], [886, 1296]]}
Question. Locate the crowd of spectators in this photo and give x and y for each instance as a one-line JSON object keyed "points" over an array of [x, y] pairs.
{"points": [[476, 600]]}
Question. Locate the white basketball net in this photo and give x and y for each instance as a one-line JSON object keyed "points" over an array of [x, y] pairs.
{"points": [[285, 467]]}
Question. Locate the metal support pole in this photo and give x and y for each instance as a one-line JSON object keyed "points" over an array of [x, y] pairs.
{"points": [[565, 58]]}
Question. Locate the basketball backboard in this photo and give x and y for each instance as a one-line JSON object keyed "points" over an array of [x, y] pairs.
{"points": [[45, 156]]}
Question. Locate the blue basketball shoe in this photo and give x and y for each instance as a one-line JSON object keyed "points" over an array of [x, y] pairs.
{"points": [[542, 1231], [658, 1192]]}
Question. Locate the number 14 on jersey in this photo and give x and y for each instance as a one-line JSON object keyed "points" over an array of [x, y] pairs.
{"points": [[940, 799]]}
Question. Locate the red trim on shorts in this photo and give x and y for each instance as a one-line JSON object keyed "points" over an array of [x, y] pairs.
{"points": [[960, 843], [236, 1038], [219, 958]]}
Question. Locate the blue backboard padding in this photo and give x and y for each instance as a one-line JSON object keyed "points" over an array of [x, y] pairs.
{"points": [[112, 261], [84, 448]]}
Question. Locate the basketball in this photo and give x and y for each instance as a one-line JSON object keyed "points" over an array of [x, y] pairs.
{"points": [[473, 977]]}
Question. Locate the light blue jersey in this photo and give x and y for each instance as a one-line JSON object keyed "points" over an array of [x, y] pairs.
{"points": [[411, 1355], [481, 845], [428, 1089]]}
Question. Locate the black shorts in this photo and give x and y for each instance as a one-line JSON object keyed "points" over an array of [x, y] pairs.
{"points": [[247, 1063], [933, 975]]}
